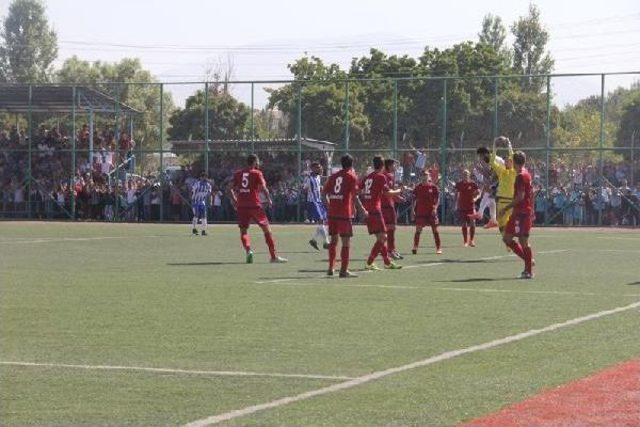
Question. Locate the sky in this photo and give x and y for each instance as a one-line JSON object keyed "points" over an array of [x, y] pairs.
{"points": [[180, 41]]}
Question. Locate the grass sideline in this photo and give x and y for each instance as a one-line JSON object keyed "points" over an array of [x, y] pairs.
{"points": [[153, 296]]}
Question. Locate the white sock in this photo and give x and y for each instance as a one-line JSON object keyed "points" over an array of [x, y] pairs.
{"points": [[492, 209], [321, 232], [205, 223], [194, 221]]}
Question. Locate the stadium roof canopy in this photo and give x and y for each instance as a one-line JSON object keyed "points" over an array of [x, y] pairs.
{"points": [[59, 99], [282, 144]]}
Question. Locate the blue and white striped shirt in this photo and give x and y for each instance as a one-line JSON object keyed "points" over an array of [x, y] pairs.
{"points": [[200, 192], [312, 187]]}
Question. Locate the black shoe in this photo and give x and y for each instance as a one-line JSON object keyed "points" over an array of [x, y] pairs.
{"points": [[314, 244], [414, 251], [204, 232], [325, 246], [347, 275], [194, 232], [330, 273]]}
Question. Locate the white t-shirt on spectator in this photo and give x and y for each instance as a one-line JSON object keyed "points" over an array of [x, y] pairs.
{"points": [[217, 199], [421, 160]]}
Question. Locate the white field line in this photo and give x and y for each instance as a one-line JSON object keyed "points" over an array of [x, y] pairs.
{"points": [[176, 371], [72, 239], [406, 267], [215, 419]]}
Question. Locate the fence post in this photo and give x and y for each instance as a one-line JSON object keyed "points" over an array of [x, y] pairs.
{"points": [[299, 138], [29, 179], [495, 107], [600, 161], [443, 153], [206, 127], [547, 152], [395, 118], [73, 154], [253, 132], [116, 216], [161, 137], [346, 117]]}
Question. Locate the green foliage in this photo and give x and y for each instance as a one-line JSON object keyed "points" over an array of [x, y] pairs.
{"points": [[629, 128], [143, 97], [227, 117], [529, 48], [28, 46]]}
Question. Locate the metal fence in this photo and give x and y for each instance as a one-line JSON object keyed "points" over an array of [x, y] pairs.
{"points": [[123, 152]]}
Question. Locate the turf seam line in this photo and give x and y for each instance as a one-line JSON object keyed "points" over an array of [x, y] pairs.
{"points": [[177, 371], [215, 419]]}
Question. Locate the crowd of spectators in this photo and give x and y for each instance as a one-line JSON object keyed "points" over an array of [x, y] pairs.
{"points": [[104, 186]]}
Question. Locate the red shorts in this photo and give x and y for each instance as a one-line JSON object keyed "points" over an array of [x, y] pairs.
{"points": [[389, 215], [375, 223], [246, 215], [519, 224], [341, 227], [466, 215], [428, 219]]}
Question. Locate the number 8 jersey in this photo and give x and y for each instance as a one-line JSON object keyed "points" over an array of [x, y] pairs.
{"points": [[341, 188], [248, 183]]}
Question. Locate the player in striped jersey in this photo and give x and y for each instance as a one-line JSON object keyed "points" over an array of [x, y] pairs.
{"points": [[315, 208], [200, 198]]}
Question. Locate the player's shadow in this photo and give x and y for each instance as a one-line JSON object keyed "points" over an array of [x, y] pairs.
{"points": [[461, 261], [292, 279], [477, 280], [633, 283], [191, 264]]}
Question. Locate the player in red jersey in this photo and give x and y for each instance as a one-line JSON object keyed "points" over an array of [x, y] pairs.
{"points": [[245, 191], [521, 219], [425, 211], [373, 189], [339, 193], [467, 193], [389, 208]]}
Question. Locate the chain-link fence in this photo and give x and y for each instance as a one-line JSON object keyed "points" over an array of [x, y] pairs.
{"points": [[125, 152]]}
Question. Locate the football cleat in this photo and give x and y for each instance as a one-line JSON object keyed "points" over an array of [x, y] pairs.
{"points": [[438, 251], [194, 232], [204, 232], [396, 255], [414, 251], [325, 245], [330, 272], [249, 257], [314, 244], [278, 260], [392, 266], [472, 244], [491, 224], [371, 267], [347, 275], [526, 275]]}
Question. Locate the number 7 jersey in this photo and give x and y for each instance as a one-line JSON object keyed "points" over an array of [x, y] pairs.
{"points": [[247, 183], [341, 188]]}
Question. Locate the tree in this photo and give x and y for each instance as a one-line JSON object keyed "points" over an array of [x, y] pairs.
{"points": [[227, 117], [494, 34], [28, 46], [529, 48], [629, 129], [322, 102], [143, 97]]}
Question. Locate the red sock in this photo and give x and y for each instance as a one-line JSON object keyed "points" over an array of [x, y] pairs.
{"points": [[464, 233], [391, 240], [436, 236], [332, 255], [516, 248], [385, 253], [246, 241], [271, 244], [528, 256], [344, 258], [472, 232], [416, 240], [374, 252]]}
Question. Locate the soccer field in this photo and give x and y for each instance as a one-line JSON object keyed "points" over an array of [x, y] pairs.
{"points": [[87, 310]]}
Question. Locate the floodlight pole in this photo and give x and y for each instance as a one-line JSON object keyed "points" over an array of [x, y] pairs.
{"points": [[29, 178], [299, 140], [161, 136], [346, 117], [547, 152], [206, 127], [602, 118], [73, 154], [253, 131], [443, 153], [395, 118]]}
